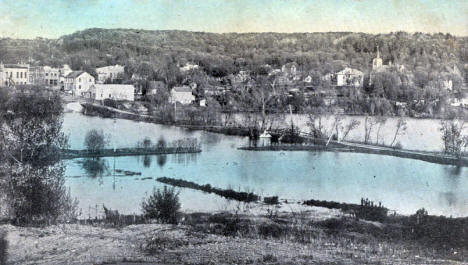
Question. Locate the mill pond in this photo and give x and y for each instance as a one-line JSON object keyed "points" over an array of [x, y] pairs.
{"points": [[403, 185]]}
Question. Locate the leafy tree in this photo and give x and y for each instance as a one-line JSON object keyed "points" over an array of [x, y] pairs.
{"points": [[162, 205], [452, 136], [30, 140], [95, 141]]}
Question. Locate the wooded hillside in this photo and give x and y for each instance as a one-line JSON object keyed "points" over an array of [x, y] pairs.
{"points": [[158, 52]]}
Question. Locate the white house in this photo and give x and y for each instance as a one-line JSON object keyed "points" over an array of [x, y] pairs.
{"points": [[79, 82], [349, 77], [112, 91], [182, 94], [109, 72], [14, 74], [188, 67], [51, 76]]}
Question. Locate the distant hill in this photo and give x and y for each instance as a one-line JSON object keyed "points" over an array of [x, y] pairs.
{"points": [[222, 54]]}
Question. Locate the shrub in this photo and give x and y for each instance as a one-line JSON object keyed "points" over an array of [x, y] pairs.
{"points": [[110, 103], [398, 145], [271, 200], [271, 230], [370, 211], [270, 258], [162, 205]]}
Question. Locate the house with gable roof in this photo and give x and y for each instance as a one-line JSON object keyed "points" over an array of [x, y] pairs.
{"points": [[79, 82]]}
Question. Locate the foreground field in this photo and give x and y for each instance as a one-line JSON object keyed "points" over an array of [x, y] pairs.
{"points": [[222, 239]]}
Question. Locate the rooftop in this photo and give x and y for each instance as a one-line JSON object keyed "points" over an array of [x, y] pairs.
{"points": [[114, 86], [75, 74], [182, 89], [21, 66]]}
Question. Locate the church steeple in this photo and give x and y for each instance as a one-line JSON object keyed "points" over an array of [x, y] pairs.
{"points": [[377, 62]]}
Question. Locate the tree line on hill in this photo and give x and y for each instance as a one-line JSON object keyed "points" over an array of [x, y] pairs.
{"points": [[158, 55]]}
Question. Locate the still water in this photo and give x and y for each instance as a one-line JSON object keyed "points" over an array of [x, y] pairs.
{"points": [[403, 185]]}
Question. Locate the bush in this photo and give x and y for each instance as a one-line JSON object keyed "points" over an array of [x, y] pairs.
{"points": [[398, 145], [162, 205], [370, 211], [110, 103], [271, 200]]}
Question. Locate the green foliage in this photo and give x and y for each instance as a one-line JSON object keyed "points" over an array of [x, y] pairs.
{"points": [[162, 205], [271, 200], [30, 138], [370, 211], [452, 137], [108, 102], [95, 140]]}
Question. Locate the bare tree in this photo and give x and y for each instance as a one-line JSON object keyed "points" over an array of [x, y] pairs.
{"points": [[316, 126], [353, 124], [380, 121], [337, 125], [400, 129], [369, 124]]}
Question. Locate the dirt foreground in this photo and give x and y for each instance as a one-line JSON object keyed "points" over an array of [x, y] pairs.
{"points": [[183, 244]]}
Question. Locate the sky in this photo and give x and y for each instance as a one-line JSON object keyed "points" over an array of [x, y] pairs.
{"points": [[54, 18]]}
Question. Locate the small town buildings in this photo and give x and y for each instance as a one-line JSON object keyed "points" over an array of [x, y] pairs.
{"points": [[265, 139], [203, 103], [36, 75], [155, 87], [64, 71], [182, 94], [447, 84], [51, 76], [48, 76], [349, 77], [274, 72], [14, 74], [289, 68], [112, 91], [211, 90], [79, 83], [188, 67], [308, 79], [110, 72]]}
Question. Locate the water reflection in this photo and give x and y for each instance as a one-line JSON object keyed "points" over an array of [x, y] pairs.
{"points": [[147, 161], [162, 159], [449, 198], [454, 170], [95, 167], [184, 159]]}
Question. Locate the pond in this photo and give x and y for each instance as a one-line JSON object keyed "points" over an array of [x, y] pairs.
{"points": [[404, 185]]}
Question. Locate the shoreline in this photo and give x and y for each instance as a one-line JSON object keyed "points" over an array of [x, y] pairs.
{"points": [[72, 154], [431, 157], [376, 150]]}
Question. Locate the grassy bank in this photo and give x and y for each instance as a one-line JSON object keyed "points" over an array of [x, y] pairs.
{"points": [[229, 238]]}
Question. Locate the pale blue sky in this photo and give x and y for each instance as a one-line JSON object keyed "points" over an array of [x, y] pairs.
{"points": [[53, 18]]}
